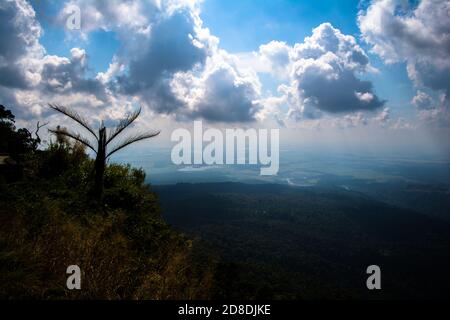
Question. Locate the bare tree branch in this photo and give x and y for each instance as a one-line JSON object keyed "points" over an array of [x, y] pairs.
{"points": [[74, 116], [74, 136], [133, 139], [39, 126], [123, 124]]}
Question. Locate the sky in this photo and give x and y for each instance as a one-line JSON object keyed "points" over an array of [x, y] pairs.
{"points": [[371, 75]]}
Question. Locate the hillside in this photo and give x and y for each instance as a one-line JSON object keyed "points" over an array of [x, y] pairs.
{"points": [[50, 219], [278, 241]]}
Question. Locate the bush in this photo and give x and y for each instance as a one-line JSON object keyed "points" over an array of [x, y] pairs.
{"points": [[124, 248]]}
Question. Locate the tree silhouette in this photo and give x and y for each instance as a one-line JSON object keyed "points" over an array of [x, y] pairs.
{"points": [[13, 141], [102, 138]]}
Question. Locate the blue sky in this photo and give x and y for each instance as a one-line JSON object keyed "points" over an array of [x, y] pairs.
{"points": [[241, 25], [244, 25], [309, 67], [247, 24]]}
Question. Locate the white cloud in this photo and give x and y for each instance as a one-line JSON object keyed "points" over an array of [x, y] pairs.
{"points": [[276, 56], [324, 74], [168, 62], [171, 62], [19, 44], [220, 91], [384, 116], [422, 101], [418, 34], [366, 97]]}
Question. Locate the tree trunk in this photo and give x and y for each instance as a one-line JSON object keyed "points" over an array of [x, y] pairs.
{"points": [[100, 163]]}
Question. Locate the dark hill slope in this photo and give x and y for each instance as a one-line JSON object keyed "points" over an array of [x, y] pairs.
{"points": [[279, 241]]}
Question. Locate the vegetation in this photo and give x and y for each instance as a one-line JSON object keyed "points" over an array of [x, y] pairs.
{"points": [[283, 242], [261, 241], [103, 139], [14, 142], [48, 221]]}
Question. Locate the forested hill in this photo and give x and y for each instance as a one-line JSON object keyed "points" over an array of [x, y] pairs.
{"points": [[278, 241]]}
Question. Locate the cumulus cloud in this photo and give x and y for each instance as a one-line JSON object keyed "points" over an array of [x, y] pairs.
{"points": [[19, 44], [170, 61], [277, 55], [324, 74], [220, 91], [66, 75], [417, 33], [407, 31], [355, 120], [170, 48], [227, 97], [126, 16], [432, 111], [384, 116], [271, 109], [30, 77], [326, 70], [422, 101], [167, 61]]}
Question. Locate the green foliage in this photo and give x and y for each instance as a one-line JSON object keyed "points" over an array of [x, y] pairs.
{"points": [[103, 138], [281, 242], [48, 221], [14, 142]]}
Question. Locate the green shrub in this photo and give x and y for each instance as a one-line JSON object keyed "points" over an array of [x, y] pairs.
{"points": [[124, 248]]}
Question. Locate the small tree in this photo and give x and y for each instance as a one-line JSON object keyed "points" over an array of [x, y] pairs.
{"points": [[102, 138]]}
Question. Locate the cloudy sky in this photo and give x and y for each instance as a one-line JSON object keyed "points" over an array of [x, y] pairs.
{"points": [[364, 72]]}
